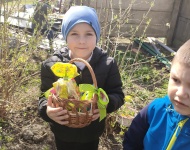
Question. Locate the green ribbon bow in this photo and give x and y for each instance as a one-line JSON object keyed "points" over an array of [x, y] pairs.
{"points": [[102, 103], [89, 90]]}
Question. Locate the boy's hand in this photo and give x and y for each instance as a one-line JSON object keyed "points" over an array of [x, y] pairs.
{"points": [[56, 114], [96, 114]]}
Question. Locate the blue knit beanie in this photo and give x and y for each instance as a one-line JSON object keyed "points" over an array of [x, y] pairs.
{"points": [[79, 14]]}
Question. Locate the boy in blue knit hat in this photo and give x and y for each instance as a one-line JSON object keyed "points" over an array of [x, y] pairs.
{"points": [[81, 31], [164, 124]]}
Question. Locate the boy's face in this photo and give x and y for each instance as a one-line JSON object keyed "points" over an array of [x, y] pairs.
{"points": [[81, 40], [179, 88]]}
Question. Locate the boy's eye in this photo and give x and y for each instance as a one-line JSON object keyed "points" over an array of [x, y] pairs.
{"points": [[175, 80], [89, 34], [73, 33]]}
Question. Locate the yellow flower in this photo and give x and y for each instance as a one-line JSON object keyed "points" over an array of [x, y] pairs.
{"points": [[128, 98]]}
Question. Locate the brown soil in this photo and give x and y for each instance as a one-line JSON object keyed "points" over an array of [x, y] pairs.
{"points": [[22, 129]]}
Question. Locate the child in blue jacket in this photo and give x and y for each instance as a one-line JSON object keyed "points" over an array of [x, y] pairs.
{"points": [[164, 124]]}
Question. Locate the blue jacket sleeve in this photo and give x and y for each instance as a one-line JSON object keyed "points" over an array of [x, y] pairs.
{"points": [[134, 136]]}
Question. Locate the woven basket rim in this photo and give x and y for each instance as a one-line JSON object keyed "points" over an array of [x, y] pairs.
{"points": [[89, 68]]}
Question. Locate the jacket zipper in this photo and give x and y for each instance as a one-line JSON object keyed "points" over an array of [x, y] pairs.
{"points": [[176, 133]]}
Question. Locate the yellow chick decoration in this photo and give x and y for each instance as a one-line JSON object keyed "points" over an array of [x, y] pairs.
{"points": [[87, 91], [87, 95]]}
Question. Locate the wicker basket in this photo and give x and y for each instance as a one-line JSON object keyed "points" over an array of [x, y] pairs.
{"points": [[80, 111]]}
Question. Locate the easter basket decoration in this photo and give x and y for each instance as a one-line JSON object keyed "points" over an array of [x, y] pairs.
{"points": [[80, 107]]}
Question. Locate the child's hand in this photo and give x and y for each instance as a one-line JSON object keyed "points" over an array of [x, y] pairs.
{"points": [[56, 114], [96, 114]]}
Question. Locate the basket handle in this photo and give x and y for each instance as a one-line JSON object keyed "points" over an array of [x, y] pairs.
{"points": [[89, 68]]}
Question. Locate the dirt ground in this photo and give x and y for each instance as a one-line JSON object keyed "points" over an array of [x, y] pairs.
{"points": [[23, 129]]}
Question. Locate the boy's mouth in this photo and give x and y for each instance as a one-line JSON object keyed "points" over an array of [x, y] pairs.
{"points": [[178, 103], [83, 48]]}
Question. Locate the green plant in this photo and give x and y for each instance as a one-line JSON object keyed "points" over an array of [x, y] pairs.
{"points": [[20, 62]]}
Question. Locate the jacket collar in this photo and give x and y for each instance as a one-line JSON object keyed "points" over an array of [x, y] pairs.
{"points": [[63, 54]]}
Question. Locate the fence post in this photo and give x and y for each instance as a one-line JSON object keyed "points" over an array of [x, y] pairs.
{"points": [[173, 22]]}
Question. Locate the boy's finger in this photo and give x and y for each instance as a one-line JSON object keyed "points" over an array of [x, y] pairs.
{"points": [[94, 117], [49, 101], [96, 111]]}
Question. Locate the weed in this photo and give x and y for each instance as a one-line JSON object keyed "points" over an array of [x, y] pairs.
{"points": [[143, 77]]}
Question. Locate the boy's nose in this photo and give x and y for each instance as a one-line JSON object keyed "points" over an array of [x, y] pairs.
{"points": [[82, 39], [182, 91]]}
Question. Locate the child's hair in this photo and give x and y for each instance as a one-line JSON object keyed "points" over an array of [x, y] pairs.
{"points": [[80, 14], [183, 54]]}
